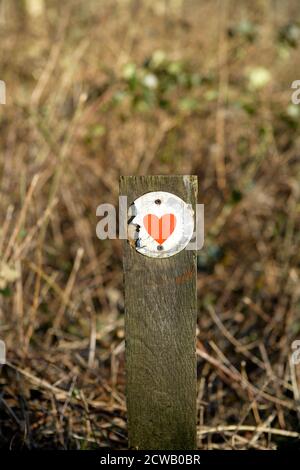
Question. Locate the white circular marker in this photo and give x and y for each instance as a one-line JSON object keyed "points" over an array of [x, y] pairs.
{"points": [[160, 224]]}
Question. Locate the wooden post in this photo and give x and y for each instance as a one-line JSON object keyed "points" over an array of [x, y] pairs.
{"points": [[160, 328]]}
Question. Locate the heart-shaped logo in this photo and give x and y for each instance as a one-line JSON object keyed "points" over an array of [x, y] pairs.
{"points": [[160, 228]]}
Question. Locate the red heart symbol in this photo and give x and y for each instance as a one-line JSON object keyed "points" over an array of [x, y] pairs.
{"points": [[160, 228]]}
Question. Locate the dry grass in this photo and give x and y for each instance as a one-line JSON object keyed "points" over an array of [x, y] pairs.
{"points": [[78, 115]]}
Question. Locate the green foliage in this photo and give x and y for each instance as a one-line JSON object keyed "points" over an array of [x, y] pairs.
{"points": [[160, 81], [289, 34], [208, 257], [245, 29], [6, 292]]}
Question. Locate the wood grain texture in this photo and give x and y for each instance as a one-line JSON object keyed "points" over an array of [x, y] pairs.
{"points": [[160, 327]]}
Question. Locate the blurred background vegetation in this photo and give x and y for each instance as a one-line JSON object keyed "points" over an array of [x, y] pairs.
{"points": [[98, 89]]}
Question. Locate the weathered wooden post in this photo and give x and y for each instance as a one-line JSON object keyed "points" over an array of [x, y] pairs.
{"points": [[160, 314]]}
